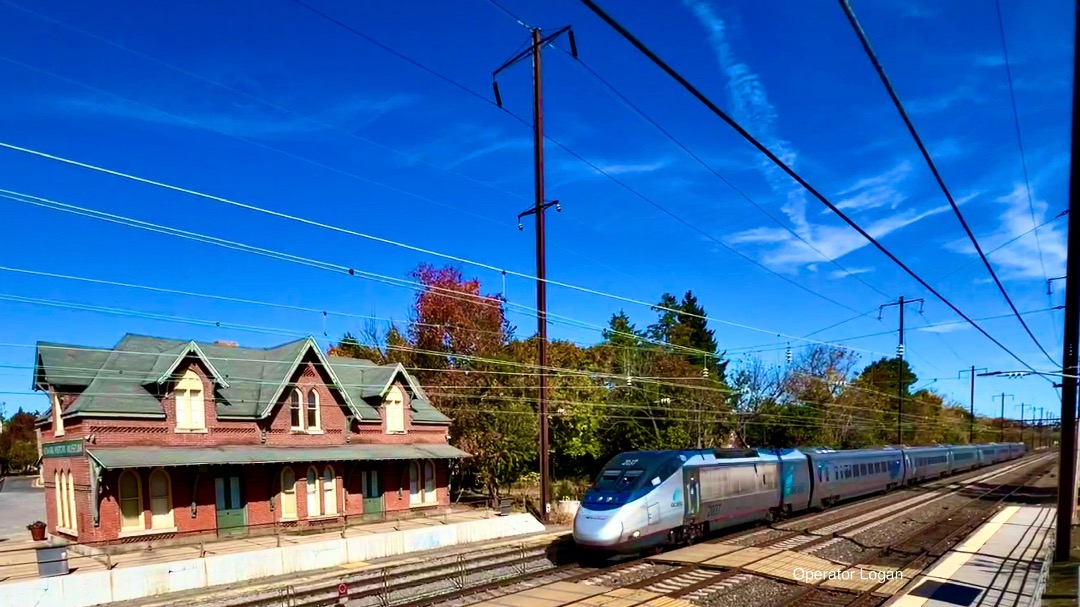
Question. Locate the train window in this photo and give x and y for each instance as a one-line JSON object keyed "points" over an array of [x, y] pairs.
{"points": [[862, 468], [629, 479], [607, 479]]}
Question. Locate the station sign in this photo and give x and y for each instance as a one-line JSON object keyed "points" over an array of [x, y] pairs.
{"points": [[72, 448]]}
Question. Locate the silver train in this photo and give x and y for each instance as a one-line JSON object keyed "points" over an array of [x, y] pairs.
{"points": [[646, 500]]}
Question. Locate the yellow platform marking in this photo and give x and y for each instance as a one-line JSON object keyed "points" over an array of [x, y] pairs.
{"points": [[576, 588], [795, 566], [956, 559], [696, 554], [668, 602], [741, 558]]}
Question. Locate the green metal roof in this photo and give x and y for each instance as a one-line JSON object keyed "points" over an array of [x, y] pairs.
{"points": [[124, 380], [148, 457]]}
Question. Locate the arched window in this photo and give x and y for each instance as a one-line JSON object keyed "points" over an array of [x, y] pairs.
{"points": [[288, 493], [60, 501], [329, 487], [161, 506], [313, 410], [295, 412], [130, 489], [395, 411], [415, 497], [312, 492], [73, 518], [190, 408], [429, 482]]}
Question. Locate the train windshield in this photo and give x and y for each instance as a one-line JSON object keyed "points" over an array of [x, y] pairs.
{"points": [[618, 480]]}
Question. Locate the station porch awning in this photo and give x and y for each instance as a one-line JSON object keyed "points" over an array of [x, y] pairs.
{"points": [[152, 457]]}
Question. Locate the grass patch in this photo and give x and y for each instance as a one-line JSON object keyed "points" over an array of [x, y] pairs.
{"points": [[1061, 585]]}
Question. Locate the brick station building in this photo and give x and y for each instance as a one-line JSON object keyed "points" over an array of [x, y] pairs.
{"points": [[159, 438]]}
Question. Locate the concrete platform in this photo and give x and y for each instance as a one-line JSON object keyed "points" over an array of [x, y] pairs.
{"points": [[568, 594], [1003, 564], [251, 563]]}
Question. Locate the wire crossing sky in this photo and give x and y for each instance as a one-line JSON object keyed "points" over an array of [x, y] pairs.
{"points": [[394, 136]]}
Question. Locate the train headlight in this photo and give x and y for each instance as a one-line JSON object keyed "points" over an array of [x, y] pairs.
{"points": [[635, 534]]}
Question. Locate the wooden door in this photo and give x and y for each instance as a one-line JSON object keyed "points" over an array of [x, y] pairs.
{"points": [[231, 508], [373, 495]]}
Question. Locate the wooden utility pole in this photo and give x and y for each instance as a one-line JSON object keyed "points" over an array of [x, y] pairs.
{"points": [[900, 365], [535, 52]]}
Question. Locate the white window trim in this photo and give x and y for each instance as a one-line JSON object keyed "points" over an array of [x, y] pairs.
{"points": [[302, 406], [395, 411], [120, 503], [184, 409], [317, 428], [73, 511], [332, 491], [170, 522], [312, 489], [284, 496], [58, 489]]}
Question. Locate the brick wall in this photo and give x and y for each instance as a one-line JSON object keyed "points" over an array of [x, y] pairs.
{"points": [[261, 483]]}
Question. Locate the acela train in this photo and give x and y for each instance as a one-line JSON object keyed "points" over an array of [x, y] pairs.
{"points": [[650, 499]]}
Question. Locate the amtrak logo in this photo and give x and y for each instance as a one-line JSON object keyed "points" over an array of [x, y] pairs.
{"points": [[676, 499]]}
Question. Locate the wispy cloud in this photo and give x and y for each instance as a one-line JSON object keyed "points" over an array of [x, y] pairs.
{"points": [[251, 120], [877, 191], [834, 241], [951, 327], [850, 272], [753, 109], [465, 143], [1020, 259], [962, 95]]}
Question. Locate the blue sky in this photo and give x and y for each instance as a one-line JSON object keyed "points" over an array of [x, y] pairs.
{"points": [[269, 105]]}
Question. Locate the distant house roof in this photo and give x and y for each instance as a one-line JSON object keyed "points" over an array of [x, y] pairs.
{"points": [[122, 381]]}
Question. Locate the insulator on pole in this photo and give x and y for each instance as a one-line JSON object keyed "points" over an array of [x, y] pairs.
{"points": [[789, 354], [705, 373], [900, 350]]}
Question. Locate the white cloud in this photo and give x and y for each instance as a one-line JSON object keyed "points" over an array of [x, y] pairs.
{"points": [[752, 108], [834, 241], [877, 191], [951, 327], [1021, 259], [850, 272]]}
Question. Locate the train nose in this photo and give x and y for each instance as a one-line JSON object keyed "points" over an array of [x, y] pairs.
{"points": [[595, 528]]}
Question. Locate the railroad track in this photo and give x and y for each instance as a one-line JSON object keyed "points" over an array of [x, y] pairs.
{"points": [[469, 580], [919, 546]]}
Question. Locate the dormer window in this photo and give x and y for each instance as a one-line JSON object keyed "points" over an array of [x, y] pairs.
{"points": [[190, 406], [295, 410], [313, 410], [394, 406]]}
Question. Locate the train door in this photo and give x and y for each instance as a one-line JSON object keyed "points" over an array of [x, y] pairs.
{"points": [[693, 497], [654, 517]]}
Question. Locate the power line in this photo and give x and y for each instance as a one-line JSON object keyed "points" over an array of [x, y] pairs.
{"points": [[716, 173], [783, 166], [572, 153], [846, 5], [1019, 134], [236, 91], [1005, 244], [47, 203]]}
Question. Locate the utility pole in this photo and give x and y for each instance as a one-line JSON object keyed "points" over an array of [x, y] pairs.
{"points": [[1038, 430], [900, 366], [535, 51], [971, 424], [1022, 408], [1066, 506], [1003, 395]]}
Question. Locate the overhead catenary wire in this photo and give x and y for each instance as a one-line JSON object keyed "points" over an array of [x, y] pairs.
{"points": [[741, 193], [47, 203], [787, 169], [592, 165], [865, 41]]}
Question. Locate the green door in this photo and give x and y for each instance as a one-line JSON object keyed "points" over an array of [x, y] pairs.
{"points": [[231, 509], [373, 497]]}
